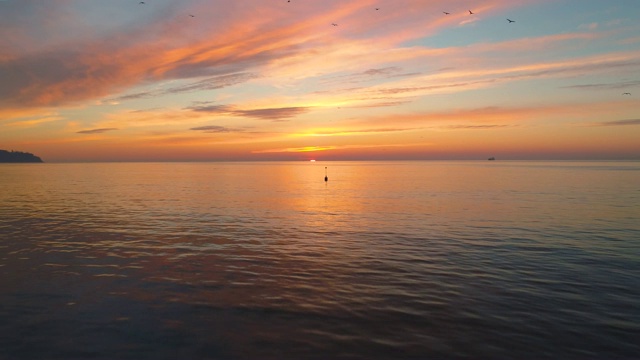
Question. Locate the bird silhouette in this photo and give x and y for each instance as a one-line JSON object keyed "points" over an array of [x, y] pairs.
{"points": [[446, 13], [192, 15], [626, 94], [141, 3], [510, 21], [470, 12], [334, 24]]}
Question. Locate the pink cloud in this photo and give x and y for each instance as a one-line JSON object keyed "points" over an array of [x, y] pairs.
{"points": [[221, 41]]}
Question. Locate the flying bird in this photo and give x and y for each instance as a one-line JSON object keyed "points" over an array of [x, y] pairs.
{"points": [[192, 15], [446, 13], [510, 21], [141, 3], [334, 24], [470, 12], [377, 8], [626, 94]]}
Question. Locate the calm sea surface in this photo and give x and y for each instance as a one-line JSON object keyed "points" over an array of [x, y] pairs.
{"points": [[386, 260]]}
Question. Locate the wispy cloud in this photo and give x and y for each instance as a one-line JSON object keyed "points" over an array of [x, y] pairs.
{"points": [[210, 83], [382, 104], [348, 132], [212, 109], [620, 122], [605, 86], [474, 127], [274, 114], [216, 129], [96, 131], [368, 75], [25, 122], [464, 79]]}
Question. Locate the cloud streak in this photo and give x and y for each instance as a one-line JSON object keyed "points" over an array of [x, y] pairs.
{"points": [[273, 114], [627, 122], [214, 129], [96, 131], [605, 86], [210, 83]]}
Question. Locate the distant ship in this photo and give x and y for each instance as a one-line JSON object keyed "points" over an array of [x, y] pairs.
{"points": [[492, 158]]}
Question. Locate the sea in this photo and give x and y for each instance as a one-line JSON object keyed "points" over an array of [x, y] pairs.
{"points": [[267, 260]]}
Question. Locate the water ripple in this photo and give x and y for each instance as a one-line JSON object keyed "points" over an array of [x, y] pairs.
{"points": [[163, 264]]}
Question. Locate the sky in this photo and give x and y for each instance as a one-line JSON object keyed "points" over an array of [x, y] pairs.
{"points": [[201, 80]]}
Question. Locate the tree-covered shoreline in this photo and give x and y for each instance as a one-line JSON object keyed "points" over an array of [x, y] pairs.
{"points": [[18, 157]]}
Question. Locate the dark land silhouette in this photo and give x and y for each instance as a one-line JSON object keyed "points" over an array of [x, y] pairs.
{"points": [[18, 157]]}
